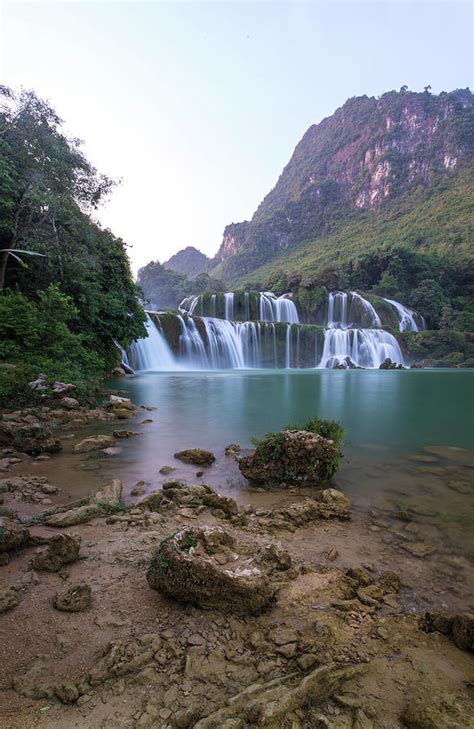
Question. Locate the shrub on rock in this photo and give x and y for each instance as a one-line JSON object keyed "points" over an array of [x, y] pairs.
{"points": [[302, 455]]}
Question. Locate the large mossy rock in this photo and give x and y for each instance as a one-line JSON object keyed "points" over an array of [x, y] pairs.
{"points": [[292, 457], [209, 568], [31, 439], [196, 456]]}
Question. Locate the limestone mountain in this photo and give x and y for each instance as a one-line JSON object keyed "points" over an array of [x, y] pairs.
{"points": [[375, 161], [189, 260]]}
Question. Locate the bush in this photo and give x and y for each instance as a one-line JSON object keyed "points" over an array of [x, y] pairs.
{"points": [[14, 390], [37, 336], [327, 428]]}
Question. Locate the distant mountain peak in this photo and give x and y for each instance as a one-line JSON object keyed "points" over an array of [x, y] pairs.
{"points": [[189, 260]]}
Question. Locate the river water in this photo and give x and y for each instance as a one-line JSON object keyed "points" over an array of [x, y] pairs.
{"points": [[409, 444], [408, 464]]}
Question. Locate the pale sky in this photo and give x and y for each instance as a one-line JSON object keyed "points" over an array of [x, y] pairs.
{"points": [[198, 106]]}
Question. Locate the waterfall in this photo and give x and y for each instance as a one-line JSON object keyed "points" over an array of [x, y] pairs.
{"points": [[271, 335], [337, 310], [190, 343], [367, 308], [406, 317], [153, 352], [229, 306], [277, 308], [247, 305], [288, 347], [363, 347]]}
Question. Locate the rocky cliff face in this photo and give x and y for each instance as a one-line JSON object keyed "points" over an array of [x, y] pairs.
{"points": [[369, 152], [189, 261]]}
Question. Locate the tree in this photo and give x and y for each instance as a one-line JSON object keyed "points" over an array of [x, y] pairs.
{"points": [[42, 174]]}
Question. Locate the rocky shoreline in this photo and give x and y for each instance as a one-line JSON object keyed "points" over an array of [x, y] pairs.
{"points": [[187, 609]]}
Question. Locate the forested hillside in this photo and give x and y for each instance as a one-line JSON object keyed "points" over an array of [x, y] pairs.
{"points": [[67, 294]]}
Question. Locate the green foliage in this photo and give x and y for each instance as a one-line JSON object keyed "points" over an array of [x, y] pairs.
{"points": [[165, 289], [38, 336], [330, 429], [111, 508], [428, 299], [190, 541], [66, 305], [270, 448], [441, 348]]}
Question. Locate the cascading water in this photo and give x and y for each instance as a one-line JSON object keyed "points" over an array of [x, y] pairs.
{"points": [[277, 308], [406, 317], [364, 348], [229, 306], [152, 353], [269, 307], [337, 310], [271, 335], [367, 308]]}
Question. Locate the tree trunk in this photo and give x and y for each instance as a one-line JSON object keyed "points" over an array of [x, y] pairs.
{"points": [[3, 268]]}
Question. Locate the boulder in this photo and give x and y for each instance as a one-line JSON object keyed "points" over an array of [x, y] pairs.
{"points": [[233, 451], [458, 626], [32, 438], [196, 456], [13, 535], [103, 502], [125, 434], [387, 364], [70, 517], [73, 600], [62, 549], [118, 372], [8, 599], [109, 495], [207, 567], [327, 504], [333, 504], [292, 457], [94, 443], [40, 384], [123, 403], [70, 403], [63, 388]]}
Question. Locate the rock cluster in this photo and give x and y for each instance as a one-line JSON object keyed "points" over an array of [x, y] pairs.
{"points": [[35, 489], [31, 438]]}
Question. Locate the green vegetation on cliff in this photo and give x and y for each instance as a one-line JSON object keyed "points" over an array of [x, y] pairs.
{"points": [[418, 250]]}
